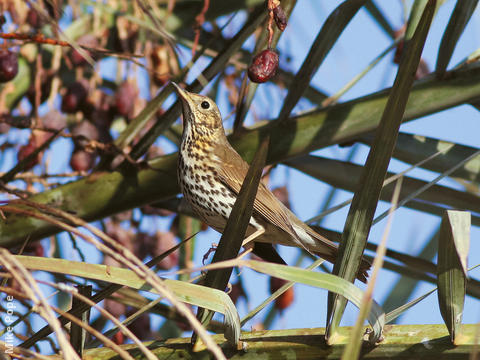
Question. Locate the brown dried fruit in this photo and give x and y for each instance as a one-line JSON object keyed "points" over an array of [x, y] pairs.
{"points": [[123, 216], [264, 66], [398, 52], [140, 327], [87, 40], [152, 210], [143, 244], [284, 300], [74, 97], [82, 160], [114, 307], [164, 64], [422, 70], [125, 97], [155, 245], [4, 128], [35, 249], [165, 241], [203, 227], [45, 88], [34, 19], [83, 132], [101, 112], [25, 151], [154, 152], [8, 65], [124, 34], [236, 292], [281, 193], [118, 338], [54, 120], [280, 18], [123, 236]]}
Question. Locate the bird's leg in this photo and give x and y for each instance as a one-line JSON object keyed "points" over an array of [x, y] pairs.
{"points": [[252, 237], [207, 254]]}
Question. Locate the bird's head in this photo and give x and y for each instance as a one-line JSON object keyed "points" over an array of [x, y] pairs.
{"points": [[201, 116]]}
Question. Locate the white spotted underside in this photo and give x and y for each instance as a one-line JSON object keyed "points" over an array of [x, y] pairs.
{"points": [[208, 198]]}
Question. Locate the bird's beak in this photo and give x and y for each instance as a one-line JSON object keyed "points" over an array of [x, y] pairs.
{"points": [[181, 93]]}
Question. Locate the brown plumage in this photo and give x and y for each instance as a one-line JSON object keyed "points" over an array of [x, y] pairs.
{"points": [[211, 173]]}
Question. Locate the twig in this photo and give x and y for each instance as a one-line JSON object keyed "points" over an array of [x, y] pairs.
{"points": [[199, 20], [41, 39]]}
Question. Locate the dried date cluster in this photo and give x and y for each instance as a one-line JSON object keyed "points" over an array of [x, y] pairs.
{"points": [[264, 65]]}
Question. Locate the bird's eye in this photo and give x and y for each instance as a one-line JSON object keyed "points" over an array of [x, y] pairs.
{"points": [[205, 105]]}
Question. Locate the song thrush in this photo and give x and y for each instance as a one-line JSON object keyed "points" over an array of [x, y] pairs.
{"points": [[210, 174]]}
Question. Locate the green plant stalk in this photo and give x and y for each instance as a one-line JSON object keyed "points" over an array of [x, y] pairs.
{"points": [[416, 267], [461, 15], [216, 66], [395, 313], [105, 193], [235, 229], [99, 296], [404, 287], [453, 246], [414, 148], [352, 351], [381, 20], [328, 35], [333, 283], [347, 176], [132, 298], [364, 203], [271, 314], [183, 15], [426, 187], [401, 342], [335, 97], [187, 227], [416, 12], [189, 293], [249, 87]]}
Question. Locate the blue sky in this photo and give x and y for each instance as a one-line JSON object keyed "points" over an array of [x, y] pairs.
{"points": [[358, 45]]}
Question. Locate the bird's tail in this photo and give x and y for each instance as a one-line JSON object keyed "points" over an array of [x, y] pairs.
{"points": [[328, 250], [321, 246]]}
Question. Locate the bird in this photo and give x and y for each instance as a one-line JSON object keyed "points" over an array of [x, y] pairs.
{"points": [[210, 174]]}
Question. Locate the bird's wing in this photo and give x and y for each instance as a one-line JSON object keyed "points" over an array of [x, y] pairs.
{"points": [[232, 173]]}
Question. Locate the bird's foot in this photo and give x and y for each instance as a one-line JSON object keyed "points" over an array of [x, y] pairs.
{"points": [[209, 251]]}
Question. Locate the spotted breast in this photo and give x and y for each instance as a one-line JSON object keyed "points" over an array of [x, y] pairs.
{"points": [[211, 173]]}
